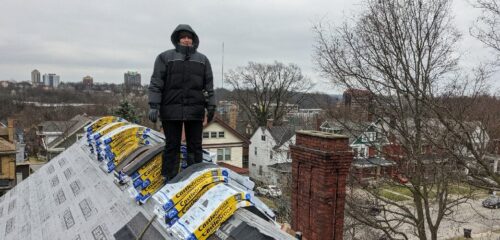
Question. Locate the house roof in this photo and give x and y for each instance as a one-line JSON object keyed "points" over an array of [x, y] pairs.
{"points": [[74, 125], [230, 129], [70, 197], [234, 168], [6, 146], [372, 162], [348, 128], [55, 126], [282, 167], [281, 134]]}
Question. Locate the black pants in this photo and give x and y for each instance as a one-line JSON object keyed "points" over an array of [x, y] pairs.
{"points": [[173, 134]]}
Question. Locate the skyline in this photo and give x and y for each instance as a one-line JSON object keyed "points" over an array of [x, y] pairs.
{"points": [[105, 40]]}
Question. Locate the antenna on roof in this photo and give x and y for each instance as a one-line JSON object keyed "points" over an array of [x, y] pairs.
{"points": [[222, 78]]}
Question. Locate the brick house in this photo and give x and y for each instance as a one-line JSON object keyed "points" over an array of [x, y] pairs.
{"points": [[369, 162], [378, 151]]}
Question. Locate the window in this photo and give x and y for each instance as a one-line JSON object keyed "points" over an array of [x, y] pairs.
{"points": [[245, 161], [206, 135], [371, 136], [19, 177], [224, 154], [288, 155], [361, 152], [221, 134], [255, 151], [253, 165], [263, 137], [213, 134], [271, 154], [227, 154], [260, 169]]}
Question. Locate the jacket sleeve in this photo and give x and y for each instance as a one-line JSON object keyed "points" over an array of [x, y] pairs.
{"points": [[209, 85], [157, 83]]}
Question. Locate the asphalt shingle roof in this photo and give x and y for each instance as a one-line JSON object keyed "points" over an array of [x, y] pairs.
{"points": [[6, 146], [281, 134]]}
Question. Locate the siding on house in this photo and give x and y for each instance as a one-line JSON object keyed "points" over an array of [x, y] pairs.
{"points": [[230, 140], [259, 163]]}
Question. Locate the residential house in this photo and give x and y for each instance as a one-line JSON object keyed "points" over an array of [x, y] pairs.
{"points": [[366, 142], [56, 136], [229, 147], [7, 158], [270, 146], [378, 151]]}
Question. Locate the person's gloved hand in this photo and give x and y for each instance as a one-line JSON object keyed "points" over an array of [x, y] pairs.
{"points": [[210, 113], [153, 115]]}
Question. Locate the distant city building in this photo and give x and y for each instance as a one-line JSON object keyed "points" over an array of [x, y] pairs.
{"points": [[35, 77], [132, 79], [51, 80], [228, 111], [358, 104], [88, 81]]}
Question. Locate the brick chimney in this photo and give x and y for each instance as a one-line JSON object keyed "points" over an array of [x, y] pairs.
{"points": [[320, 164], [270, 123]]}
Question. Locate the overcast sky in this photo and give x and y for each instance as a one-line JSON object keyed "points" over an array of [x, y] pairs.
{"points": [[104, 39]]}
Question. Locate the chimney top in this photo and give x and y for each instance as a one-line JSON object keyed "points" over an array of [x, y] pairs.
{"points": [[270, 123]]}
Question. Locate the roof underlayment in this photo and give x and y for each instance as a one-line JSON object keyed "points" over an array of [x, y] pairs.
{"points": [[71, 197]]}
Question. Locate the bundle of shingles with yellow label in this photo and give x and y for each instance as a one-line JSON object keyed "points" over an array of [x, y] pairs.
{"points": [[192, 205], [203, 188]]}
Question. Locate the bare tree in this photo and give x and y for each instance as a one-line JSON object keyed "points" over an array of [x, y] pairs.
{"points": [[263, 90], [402, 53], [487, 26]]}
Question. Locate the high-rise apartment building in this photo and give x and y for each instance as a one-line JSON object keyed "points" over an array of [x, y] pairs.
{"points": [[132, 79], [51, 80], [35, 77], [88, 81]]}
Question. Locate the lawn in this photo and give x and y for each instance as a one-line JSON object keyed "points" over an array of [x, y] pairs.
{"points": [[399, 189], [393, 197]]}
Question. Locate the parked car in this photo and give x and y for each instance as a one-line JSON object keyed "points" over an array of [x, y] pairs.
{"points": [[400, 178], [269, 191], [492, 202]]}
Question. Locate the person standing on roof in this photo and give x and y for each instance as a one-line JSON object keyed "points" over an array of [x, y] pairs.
{"points": [[181, 89]]}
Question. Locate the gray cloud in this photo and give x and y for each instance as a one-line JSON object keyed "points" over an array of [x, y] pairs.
{"points": [[106, 38]]}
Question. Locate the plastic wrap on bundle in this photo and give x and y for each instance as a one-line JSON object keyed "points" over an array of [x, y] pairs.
{"points": [[172, 193], [209, 212]]}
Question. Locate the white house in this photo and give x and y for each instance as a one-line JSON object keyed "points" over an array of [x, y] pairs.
{"points": [[269, 146], [226, 144]]}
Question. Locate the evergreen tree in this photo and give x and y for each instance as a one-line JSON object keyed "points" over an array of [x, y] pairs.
{"points": [[127, 111]]}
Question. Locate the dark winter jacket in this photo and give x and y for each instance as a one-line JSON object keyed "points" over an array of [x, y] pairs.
{"points": [[180, 78]]}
